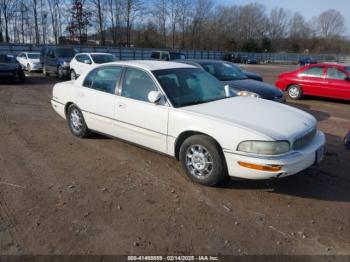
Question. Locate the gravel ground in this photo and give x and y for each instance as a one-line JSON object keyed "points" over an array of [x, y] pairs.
{"points": [[64, 195]]}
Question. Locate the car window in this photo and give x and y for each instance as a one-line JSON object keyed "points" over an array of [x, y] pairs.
{"points": [[102, 58], [165, 56], [347, 69], [315, 71], [103, 79], [82, 58], [335, 73], [137, 84], [33, 55], [190, 86], [155, 55], [223, 71]]}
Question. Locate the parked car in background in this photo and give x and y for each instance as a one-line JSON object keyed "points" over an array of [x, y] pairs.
{"points": [[30, 61], [10, 69], [307, 61], [232, 57], [182, 111], [327, 80], [56, 60], [84, 61], [239, 83], [249, 60], [167, 55]]}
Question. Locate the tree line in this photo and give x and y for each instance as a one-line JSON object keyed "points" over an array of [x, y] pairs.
{"points": [[176, 24]]}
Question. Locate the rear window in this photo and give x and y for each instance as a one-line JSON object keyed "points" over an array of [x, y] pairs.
{"points": [[65, 52], [315, 71]]}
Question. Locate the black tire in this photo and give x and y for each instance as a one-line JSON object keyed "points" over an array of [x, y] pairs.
{"points": [[295, 92], [77, 127], [210, 152], [73, 75], [60, 72], [45, 72], [20, 76]]}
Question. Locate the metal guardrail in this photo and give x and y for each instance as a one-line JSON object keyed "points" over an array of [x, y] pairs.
{"points": [[126, 53]]}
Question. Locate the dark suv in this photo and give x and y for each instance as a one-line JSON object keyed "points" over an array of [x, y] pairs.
{"points": [[56, 60]]}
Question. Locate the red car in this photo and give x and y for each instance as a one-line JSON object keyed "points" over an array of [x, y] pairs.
{"points": [[327, 80]]}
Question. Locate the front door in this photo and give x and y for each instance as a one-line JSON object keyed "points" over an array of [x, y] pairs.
{"points": [[338, 85], [138, 120]]}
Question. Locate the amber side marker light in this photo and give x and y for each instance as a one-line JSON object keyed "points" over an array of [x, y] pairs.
{"points": [[271, 168]]}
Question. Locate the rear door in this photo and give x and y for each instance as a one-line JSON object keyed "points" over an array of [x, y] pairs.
{"points": [[96, 98], [313, 80], [338, 85]]}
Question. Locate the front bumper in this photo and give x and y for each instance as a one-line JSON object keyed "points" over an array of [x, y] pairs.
{"points": [[36, 66], [292, 163]]}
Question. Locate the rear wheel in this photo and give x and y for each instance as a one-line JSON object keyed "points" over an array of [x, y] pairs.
{"points": [[203, 161], [76, 122], [295, 92]]}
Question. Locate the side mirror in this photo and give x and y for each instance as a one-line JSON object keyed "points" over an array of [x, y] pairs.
{"points": [[87, 62], [154, 96]]}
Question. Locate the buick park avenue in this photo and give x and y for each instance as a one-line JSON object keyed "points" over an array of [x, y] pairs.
{"points": [[183, 111]]}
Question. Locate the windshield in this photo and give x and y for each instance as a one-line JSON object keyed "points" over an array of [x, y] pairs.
{"points": [[7, 59], [65, 52], [174, 56], [100, 59], [33, 55], [189, 86], [223, 71]]}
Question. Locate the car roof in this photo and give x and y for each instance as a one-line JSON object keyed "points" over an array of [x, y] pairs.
{"points": [[152, 64], [199, 61], [93, 53], [329, 64]]}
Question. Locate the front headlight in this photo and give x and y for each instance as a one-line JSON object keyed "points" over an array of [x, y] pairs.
{"points": [[247, 93], [66, 63], [264, 147]]}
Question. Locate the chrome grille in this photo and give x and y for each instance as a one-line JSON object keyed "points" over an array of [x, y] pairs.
{"points": [[305, 139]]}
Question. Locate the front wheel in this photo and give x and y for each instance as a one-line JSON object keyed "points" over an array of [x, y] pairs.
{"points": [[73, 75], [29, 69], [60, 74], [76, 122], [45, 72], [203, 160], [295, 92]]}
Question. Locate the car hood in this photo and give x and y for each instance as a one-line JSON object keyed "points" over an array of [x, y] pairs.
{"points": [[253, 76], [34, 60], [274, 120], [265, 90]]}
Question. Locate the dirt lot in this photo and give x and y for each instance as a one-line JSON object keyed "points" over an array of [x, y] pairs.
{"points": [[64, 195]]}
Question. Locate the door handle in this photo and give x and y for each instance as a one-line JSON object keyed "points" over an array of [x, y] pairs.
{"points": [[121, 105]]}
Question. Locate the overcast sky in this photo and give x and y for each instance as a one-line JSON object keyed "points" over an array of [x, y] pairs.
{"points": [[308, 8]]}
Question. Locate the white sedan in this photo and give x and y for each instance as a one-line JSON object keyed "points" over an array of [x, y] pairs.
{"points": [[83, 62], [184, 112], [30, 61]]}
